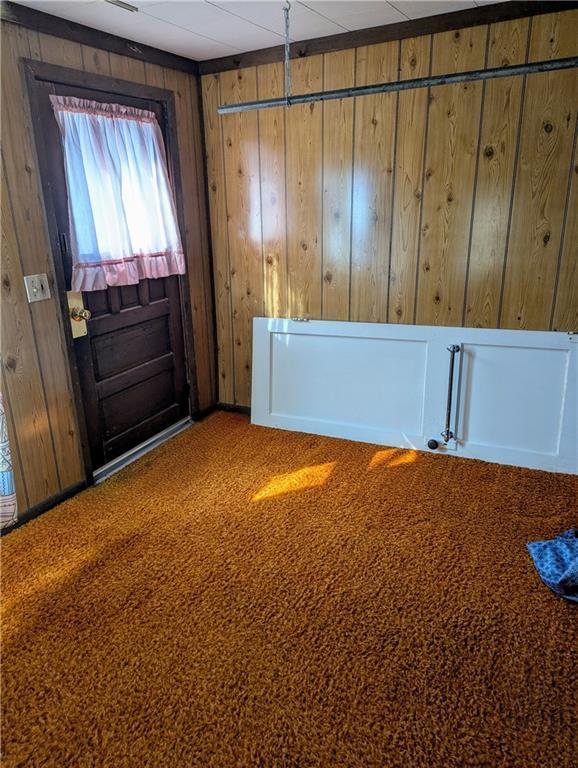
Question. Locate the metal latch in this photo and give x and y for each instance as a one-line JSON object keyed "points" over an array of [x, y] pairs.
{"points": [[78, 314]]}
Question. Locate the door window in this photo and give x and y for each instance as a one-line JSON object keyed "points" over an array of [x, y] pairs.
{"points": [[122, 213]]}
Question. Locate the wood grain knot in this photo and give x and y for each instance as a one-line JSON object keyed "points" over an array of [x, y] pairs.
{"points": [[269, 259], [6, 282], [374, 120], [489, 151], [456, 35], [398, 311], [548, 127], [546, 238], [11, 362], [413, 61], [328, 277], [303, 245], [214, 187]]}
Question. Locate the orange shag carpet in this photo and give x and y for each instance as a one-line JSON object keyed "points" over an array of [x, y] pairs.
{"points": [[249, 597]]}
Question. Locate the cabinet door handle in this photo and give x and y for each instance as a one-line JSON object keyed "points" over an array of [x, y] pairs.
{"points": [[447, 434]]}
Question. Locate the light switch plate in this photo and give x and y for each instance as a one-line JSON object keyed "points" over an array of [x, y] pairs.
{"points": [[37, 287]]}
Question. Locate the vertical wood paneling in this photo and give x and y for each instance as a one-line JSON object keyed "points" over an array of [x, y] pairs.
{"points": [[339, 72], [55, 50], [566, 307], [127, 69], [270, 84], [451, 153], [304, 192], [29, 220], [155, 75], [220, 246], [241, 147], [21, 370], [554, 36], [496, 158], [95, 60], [412, 117], [546, 145], [442, 256], [373, 183]]}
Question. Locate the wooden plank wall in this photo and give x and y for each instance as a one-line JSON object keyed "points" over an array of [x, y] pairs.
{"points": [[455, 206], [44, 432]]}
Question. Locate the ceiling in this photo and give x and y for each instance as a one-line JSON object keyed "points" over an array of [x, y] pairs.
{"points": [[207, 29]]}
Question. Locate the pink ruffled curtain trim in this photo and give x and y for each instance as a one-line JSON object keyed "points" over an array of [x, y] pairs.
{"points": [[86, 107], [97, 277]]}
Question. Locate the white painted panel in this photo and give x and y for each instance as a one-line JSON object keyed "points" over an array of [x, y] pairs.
{"points": [[417, 9], [370, 382], [514, 399], [524, 387]]}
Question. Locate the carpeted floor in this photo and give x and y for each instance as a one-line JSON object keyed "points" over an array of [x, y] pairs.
{"points": [[247, 597]]}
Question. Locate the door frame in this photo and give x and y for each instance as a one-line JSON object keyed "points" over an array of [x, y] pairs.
{"points": [[36, 72]]}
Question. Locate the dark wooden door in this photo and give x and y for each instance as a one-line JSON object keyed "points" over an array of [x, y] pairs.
{"points": [[131, 364]]}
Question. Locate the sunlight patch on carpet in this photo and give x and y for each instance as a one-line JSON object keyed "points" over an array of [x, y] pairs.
{"points": [[300, 480]]}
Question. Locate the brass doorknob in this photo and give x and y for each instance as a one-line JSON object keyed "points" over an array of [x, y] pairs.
{"points": [[79, 314]]}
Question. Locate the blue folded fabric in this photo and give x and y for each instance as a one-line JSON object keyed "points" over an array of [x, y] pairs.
{"points": [[556, 561]]}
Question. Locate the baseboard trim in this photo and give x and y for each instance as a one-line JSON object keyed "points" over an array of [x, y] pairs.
{"points": [[229, 407]]}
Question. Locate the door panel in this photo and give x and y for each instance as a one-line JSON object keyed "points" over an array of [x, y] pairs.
{"points": [[380, 389], [131, 364], [130, 347], [513, 399]]}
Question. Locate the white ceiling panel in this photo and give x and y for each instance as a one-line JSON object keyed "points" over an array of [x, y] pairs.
{"points": [[304, 23], [417, 9], [138, 27], [206, 29], [359, 15], [214, 22]]}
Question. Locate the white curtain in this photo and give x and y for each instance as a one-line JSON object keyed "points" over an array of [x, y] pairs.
{"points": [[122, 213]]}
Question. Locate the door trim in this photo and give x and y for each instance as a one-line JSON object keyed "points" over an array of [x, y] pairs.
{"points": [[35, 72]]}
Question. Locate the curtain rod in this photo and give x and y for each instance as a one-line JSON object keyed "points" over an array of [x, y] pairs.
{"points": [[403, 85]]}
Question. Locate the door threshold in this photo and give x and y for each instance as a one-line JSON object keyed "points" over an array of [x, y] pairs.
{"points": [[135, 453]]}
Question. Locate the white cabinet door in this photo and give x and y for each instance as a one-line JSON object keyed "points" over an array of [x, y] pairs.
{"points": [[517, 399], [513, 399]]}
